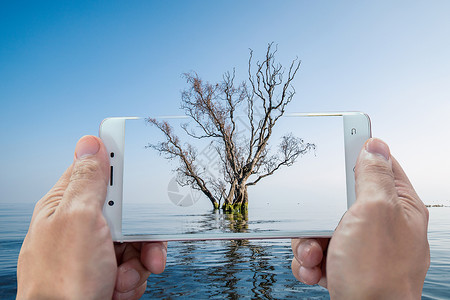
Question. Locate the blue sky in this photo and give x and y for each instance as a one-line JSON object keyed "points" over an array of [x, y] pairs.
{"points": [[65, 66]]}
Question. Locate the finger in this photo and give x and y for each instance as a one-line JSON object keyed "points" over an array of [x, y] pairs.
{"points": [[127, 251], [154, 256], [309, 252], [131, 295], [295, 268], [406, 191], [374, 178], [90, 174], [131, 275], [308, 276]]}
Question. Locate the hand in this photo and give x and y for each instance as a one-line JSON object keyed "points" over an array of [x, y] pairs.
{"points": [[68, 251], [380, 249]]}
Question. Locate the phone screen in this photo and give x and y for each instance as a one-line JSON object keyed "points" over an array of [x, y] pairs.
{"points": [[308, 195]]}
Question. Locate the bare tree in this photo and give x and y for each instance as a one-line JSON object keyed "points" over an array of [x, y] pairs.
{"points": [[213, 109]]}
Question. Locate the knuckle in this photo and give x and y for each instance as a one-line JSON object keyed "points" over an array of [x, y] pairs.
{"points": [[375, 167], [86, 170], [408, 196], [51, 199]]}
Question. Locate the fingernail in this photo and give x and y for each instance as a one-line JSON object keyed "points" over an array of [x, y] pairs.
{"points": [[131, 277], [87, 145], [303, 251], [378, 147]]}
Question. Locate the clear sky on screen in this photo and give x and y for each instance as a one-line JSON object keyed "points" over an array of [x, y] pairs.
{"points": [[65, 66]]}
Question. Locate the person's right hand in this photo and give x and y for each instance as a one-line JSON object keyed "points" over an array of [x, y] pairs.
{"points": [[379, 249]]}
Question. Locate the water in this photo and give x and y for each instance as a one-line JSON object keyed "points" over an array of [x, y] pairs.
{"points": [[171, 221], [227, 269]]}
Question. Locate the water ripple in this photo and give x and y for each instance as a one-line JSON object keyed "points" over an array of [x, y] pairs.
{"points": [[227, 269]]}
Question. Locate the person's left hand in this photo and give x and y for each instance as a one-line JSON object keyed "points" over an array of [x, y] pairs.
{"points": [[68, 251]]}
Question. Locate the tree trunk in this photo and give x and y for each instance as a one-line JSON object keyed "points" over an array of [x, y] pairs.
{"points": [[237, 200], [241, 201], [211, 198], [228, 201]]}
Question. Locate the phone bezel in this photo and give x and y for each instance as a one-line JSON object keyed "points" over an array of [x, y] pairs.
{"points": [[357, 129]]}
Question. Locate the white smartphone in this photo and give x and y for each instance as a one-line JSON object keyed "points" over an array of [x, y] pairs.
{"points": [[147, 200]]}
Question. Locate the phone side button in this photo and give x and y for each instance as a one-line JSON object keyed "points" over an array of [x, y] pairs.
{"points": [[111, 176]]}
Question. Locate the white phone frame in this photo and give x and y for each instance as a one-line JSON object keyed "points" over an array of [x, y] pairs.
{"points": [[357, 129]]}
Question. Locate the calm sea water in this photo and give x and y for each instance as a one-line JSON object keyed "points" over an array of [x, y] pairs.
{"points": [[227, 269]]}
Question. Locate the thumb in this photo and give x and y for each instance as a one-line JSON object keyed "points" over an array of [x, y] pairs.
{"points": [[90, 174], [374, 178]]}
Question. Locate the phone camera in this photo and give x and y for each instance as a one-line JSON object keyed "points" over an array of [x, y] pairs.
{"points": [[111, 154], [110, 203]]}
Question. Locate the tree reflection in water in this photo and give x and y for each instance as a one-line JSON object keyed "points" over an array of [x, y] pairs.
{"points": [[229, 269], [220, 222]]}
